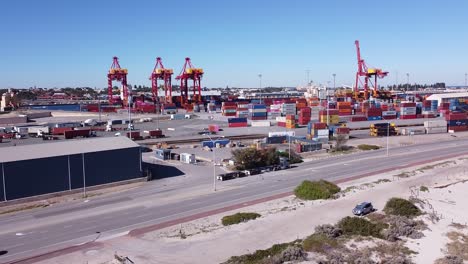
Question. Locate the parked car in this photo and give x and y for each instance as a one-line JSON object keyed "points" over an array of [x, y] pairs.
{"points": [[363, 208]]}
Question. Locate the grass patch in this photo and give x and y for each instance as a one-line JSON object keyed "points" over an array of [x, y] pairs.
{"points": [[393, 249], [314, 190], [423, 189], [430, 167], [382, 181], [458, 225], [367, 147], [238, 218], [404, 174], [361, 226], [23, 208], [319, 243], [399, 206], [259, 256], [349, 189], [458, 245]]}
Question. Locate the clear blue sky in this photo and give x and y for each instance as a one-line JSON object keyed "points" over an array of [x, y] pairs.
{"points": [[71, 43]]}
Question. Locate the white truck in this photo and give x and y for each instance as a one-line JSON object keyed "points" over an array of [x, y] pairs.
{"points": [[38, 131]]}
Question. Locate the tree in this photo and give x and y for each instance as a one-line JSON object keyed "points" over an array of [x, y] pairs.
{"points": [[250, 158], [340, 143]]}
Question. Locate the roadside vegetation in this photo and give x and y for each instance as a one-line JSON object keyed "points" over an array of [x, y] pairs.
{"points": [[338, 243], [367, 147], [250, 158], [238, 218], [340, 144], [314, 190], [401, 207]]}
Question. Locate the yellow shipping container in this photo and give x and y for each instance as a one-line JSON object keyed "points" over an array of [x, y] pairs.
{"points": [[189, 71]]}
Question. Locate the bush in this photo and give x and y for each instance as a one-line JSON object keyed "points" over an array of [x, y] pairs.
{"points": [[330, 231], [398, 206], [368, 147], [423, 189], [314, 190], [319, 243], [250, 158], [260, 255], [295, 158], [361, 226], [403, 226], [238, 218]]}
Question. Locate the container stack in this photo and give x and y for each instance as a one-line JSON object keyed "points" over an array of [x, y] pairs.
{"points": [[300, 103], [444, 109], [257, 112], [313, 101], [291, 121], [344, 108], [373, 113], [457, 122], [317, 131], [435, 126], [242, 112], [288, 109], [274, 111], [434, 104], [260, 123], [168, 109], [228, 109], [237, 122], [211, 107], [342, 131], [281, 121], [304, 116], [387, 115], [358, 118], [427, 109], [333, 116], [383, 129], [408, 111], [453, 104]]}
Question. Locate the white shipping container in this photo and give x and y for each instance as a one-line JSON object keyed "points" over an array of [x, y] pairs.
{"points": [[322, 132], [36, 129], [281, 119], [435, 123], [260, 123], [282, 133], [388, 113], [187, 158], [436, 130], [257, 110]]}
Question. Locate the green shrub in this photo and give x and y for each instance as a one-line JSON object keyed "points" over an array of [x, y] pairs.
{"points": [[238, 218], [368, 147], [423, 189], [259, 255], [398, 206], [361, 226], [314, 190], [319, 243], [295, 158]]}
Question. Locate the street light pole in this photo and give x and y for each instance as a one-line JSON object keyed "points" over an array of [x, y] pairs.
{"points": [[214, 162], [334, 83], [388, 134], [407, 81], [260, 78]]}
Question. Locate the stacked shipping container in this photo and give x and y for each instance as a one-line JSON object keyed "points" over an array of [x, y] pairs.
{"points": [[257, 112], [290, 121], [237, 122], [408, 111], [304, 116], [229, 109], [457, 122]]}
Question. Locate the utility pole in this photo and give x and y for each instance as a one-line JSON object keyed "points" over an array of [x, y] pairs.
{"points": [[260, 78], [466, 77], [334, 83], [407, 81], [308, 72]]}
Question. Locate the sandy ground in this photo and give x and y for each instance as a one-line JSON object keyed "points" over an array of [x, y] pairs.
{"points": [[207, 241]]}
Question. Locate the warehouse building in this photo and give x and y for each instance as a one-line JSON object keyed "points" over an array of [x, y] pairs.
{"points": [[37, 169], [446, 97]]}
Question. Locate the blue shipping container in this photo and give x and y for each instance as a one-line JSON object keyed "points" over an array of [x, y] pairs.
{"points": [[374, 118], [211, 144], [237, 120], [457, 122], [258, 114], [258, 106]]}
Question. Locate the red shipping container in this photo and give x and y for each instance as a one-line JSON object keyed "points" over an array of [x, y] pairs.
{"points": [[408, 116], [408, 105], [458, 128], [455, 116], [388, 117], [258, 118], [60, 130], [358, 118], [290, 117], [237, 124], [330, 112], [343, 130], [282, 124], [319, 125]]}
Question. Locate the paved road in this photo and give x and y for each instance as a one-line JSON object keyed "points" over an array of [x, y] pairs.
{"points": [[58, 226]]}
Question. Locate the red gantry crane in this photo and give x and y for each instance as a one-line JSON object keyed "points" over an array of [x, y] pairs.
{"points": [[367, 73], [117, 74], [190, 73], [161, 73]]}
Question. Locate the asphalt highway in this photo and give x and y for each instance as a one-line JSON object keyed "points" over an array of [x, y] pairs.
{"points": [[39, 231]]}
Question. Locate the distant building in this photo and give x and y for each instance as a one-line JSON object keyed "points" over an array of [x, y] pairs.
{"points": [[446, 97]]}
